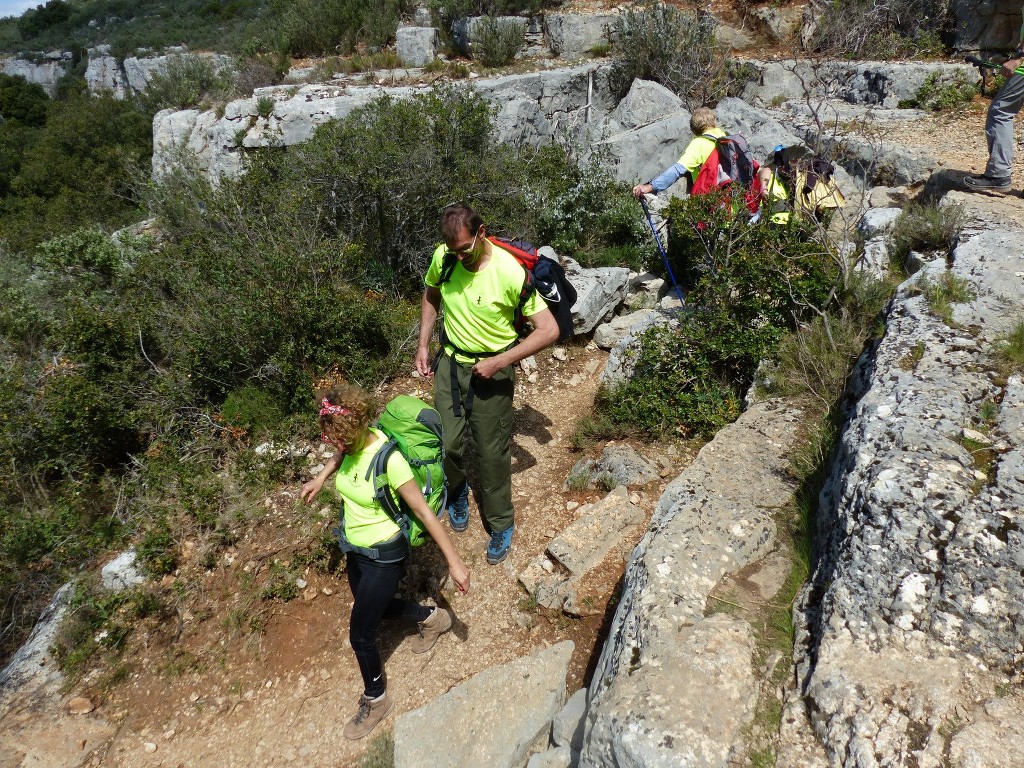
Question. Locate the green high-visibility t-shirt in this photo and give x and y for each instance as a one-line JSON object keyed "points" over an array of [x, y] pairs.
{"points": [[479, 307], [366, 523], [698, 150]]}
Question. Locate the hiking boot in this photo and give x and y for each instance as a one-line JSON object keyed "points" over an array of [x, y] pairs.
{"points": [[371, 712], [458, 510], [501, 543], [985, 183], [431, 628]]}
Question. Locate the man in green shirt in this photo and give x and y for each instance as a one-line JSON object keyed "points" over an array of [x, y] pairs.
{"points": [[475, 379], [999, 126]]}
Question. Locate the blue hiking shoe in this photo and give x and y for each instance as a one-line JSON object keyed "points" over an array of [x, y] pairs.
{"points": [[458, 510], [501, 543]]}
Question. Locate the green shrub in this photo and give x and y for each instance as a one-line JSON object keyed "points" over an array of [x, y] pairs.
{"points": [[657, 41], [264, 107], [22, 101], [324, 27], [1010, 349], [896, 29], [924, 228], [252, 409], [750, 286], [189, 81], [496, 42], [589, 216], [157, 549], [938, 96], [76, 170], [943, 293]]}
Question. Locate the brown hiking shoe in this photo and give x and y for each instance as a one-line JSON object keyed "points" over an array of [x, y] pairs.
{"points": [[371, 712], [436, 624]]}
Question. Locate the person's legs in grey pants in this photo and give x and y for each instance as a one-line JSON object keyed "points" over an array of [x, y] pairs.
{"points": [[999, 127]]}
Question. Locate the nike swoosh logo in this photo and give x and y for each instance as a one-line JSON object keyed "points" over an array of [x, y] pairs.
{"points": [[378, 677]]}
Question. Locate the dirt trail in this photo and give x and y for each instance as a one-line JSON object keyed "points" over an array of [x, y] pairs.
{"points": [[203, 689]]}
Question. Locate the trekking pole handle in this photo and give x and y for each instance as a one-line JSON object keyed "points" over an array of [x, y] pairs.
{"points": [[981, 63]]}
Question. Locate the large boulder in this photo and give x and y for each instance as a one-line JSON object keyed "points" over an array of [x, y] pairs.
{"points": [[992, 25], [598, 293], [639, 155], [416, 46], [646, 102], [503, 714], [572, 35]]}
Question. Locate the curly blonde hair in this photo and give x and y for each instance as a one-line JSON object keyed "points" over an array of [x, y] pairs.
{"points": [[357, 409]]}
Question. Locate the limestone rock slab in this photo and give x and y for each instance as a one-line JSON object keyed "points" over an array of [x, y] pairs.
{"points": [[671, 686], [490, 732], [416, 46]]}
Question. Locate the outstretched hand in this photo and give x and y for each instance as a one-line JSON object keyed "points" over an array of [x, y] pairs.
{"points": [[311, 489], [460, 575]]}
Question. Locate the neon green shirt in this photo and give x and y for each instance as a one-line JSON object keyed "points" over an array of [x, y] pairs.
{"points": [[479, 307], [698, 150], [366, 523]]}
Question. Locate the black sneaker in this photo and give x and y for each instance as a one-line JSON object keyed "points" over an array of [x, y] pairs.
{"points": [[986, 184]]}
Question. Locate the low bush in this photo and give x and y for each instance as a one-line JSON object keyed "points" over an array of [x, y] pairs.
{"points": [[927, 228], [188, 81], [326, 27], [496, 42], [942, 293], [883, 29], [750, 286], [937, 96], [677, 48], [1010, 349]]}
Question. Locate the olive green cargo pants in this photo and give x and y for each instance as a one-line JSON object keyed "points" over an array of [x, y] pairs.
{"points": [[490, 419]]}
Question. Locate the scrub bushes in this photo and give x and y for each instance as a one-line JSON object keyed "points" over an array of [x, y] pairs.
{"points": [[750, 285], [677, 48]]}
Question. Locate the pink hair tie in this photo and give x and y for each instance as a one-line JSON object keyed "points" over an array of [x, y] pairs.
{"points": [[329, 409]]}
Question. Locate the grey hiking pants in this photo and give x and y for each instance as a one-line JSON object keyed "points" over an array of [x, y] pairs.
{"points": [[999, 127]]}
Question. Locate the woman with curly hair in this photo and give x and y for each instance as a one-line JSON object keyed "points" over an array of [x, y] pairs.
{"points": [[345, 416]]}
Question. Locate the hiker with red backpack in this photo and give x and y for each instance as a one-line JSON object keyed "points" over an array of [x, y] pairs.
{"points": [[705, 130], [376, 545], [478, 287]]}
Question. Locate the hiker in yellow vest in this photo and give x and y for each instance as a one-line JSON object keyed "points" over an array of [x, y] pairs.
{"points": [[774, 198], [345, 416], [704, 127]]}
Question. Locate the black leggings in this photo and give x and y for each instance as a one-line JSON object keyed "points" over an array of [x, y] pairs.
{"points": [[373, 591]]}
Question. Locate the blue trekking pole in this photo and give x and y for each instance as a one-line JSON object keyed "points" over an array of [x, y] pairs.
{"points": [[661, 250]]}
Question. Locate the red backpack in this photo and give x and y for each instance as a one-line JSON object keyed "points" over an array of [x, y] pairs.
{"points": [[730, 161]]}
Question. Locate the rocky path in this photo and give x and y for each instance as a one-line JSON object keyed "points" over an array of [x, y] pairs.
{"points": [[223, 694]]}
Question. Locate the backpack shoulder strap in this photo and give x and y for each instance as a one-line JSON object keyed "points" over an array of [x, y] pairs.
{"points": [[382, 491], [447, 267]]}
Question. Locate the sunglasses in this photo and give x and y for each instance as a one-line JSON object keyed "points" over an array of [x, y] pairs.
{"points": [[465, 251]]}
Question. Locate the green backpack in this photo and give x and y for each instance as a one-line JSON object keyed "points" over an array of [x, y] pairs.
{"points": [[412, 428]]}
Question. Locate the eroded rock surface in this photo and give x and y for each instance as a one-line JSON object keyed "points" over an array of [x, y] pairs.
{"points": [[913, 625], [673, 687]]}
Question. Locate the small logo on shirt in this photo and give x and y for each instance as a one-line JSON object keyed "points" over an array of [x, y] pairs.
{"points": [[479, 300]]}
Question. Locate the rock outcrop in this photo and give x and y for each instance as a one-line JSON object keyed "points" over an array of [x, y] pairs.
{"points": [[912, 627], [496, 718], [674, 685]]}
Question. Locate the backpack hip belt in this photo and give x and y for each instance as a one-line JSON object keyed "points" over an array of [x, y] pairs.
{"points": [[392, 550], [457, 403]]}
